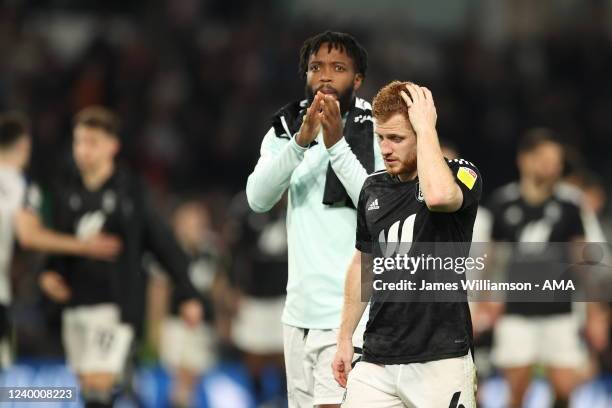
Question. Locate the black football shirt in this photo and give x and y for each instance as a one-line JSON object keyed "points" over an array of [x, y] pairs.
{"points": [[526, 227], [401, 332]]}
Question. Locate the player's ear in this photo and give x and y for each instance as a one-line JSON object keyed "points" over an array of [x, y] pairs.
{"points": [[116, 146], [357, 81]]}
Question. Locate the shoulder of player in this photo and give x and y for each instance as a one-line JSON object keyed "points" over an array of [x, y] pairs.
{"points": [[11, 181], [362, 104], [377, 176], [453, 163], [568, 194], [504, 195], [283, 118]]}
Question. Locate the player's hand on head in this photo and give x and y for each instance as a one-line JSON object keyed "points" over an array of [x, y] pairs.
{"points": [[421, 108], [54, 286], [191, 312], [311, 123], [102, 246], [341, 366], [331, 121]]}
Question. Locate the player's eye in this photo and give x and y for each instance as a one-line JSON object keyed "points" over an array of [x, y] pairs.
{"points": [[379, 138], [340, 68], [315, 67], [397, 139]]}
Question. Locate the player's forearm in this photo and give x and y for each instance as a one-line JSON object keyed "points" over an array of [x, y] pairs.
{"points": [[353, 307], [52, 242], [31, 234], [348, 168], [436, 181], [270, 179]]}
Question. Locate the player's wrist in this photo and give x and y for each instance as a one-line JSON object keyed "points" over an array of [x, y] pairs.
{"points": [[301, 141], [427, 131], [344, 336], [82, 247]]}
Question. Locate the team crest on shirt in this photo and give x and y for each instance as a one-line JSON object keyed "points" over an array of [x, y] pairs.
{"points": [[467, 176], [419, 194]]}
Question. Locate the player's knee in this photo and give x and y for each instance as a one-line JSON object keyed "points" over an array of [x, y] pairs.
{"points": [[563, 388], [563, 383], [98, 381]]}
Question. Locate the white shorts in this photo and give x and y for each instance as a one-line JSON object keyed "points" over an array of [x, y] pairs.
{"points": [[187, 347], [257, 328], [308, 361], [95, 340], [553, 341], [443, 383]]}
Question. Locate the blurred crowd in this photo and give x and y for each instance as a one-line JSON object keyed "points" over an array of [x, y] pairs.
{"points": [[195, 83]]}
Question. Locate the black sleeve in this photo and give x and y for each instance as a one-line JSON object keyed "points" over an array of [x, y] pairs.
{"points": [[469, 180], [58, 218], [573, 222], [161, 242], [363, 240]]}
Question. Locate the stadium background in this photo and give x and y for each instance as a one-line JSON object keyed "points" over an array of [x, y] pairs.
{"points": [[196, 81]]}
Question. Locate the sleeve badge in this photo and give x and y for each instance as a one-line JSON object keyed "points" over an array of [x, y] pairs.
{"points": [[467, 176]]}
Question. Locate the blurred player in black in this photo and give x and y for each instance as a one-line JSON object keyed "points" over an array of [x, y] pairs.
{"points": [[19, 220], [416, 353], [104, 301], [259, 276], [527, 214]]}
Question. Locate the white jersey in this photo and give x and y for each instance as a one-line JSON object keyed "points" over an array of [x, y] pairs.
{"points": [[12, 192], [321, 238]]}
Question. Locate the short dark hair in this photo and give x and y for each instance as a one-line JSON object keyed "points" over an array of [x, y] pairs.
{"points": [[334, 39], [535, 137], [98, 117], [13, 126]]}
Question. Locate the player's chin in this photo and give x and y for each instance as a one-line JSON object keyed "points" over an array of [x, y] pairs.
{"points": [[392, 168]]}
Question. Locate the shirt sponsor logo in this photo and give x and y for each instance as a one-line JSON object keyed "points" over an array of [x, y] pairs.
{"points": [[90, 224]]}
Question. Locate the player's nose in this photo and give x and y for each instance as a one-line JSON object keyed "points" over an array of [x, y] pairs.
{"points": [[326, 75], [385, 149]]}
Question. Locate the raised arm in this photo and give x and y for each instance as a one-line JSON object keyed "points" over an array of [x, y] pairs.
{"points": [[279, 156], [440, 191]]}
